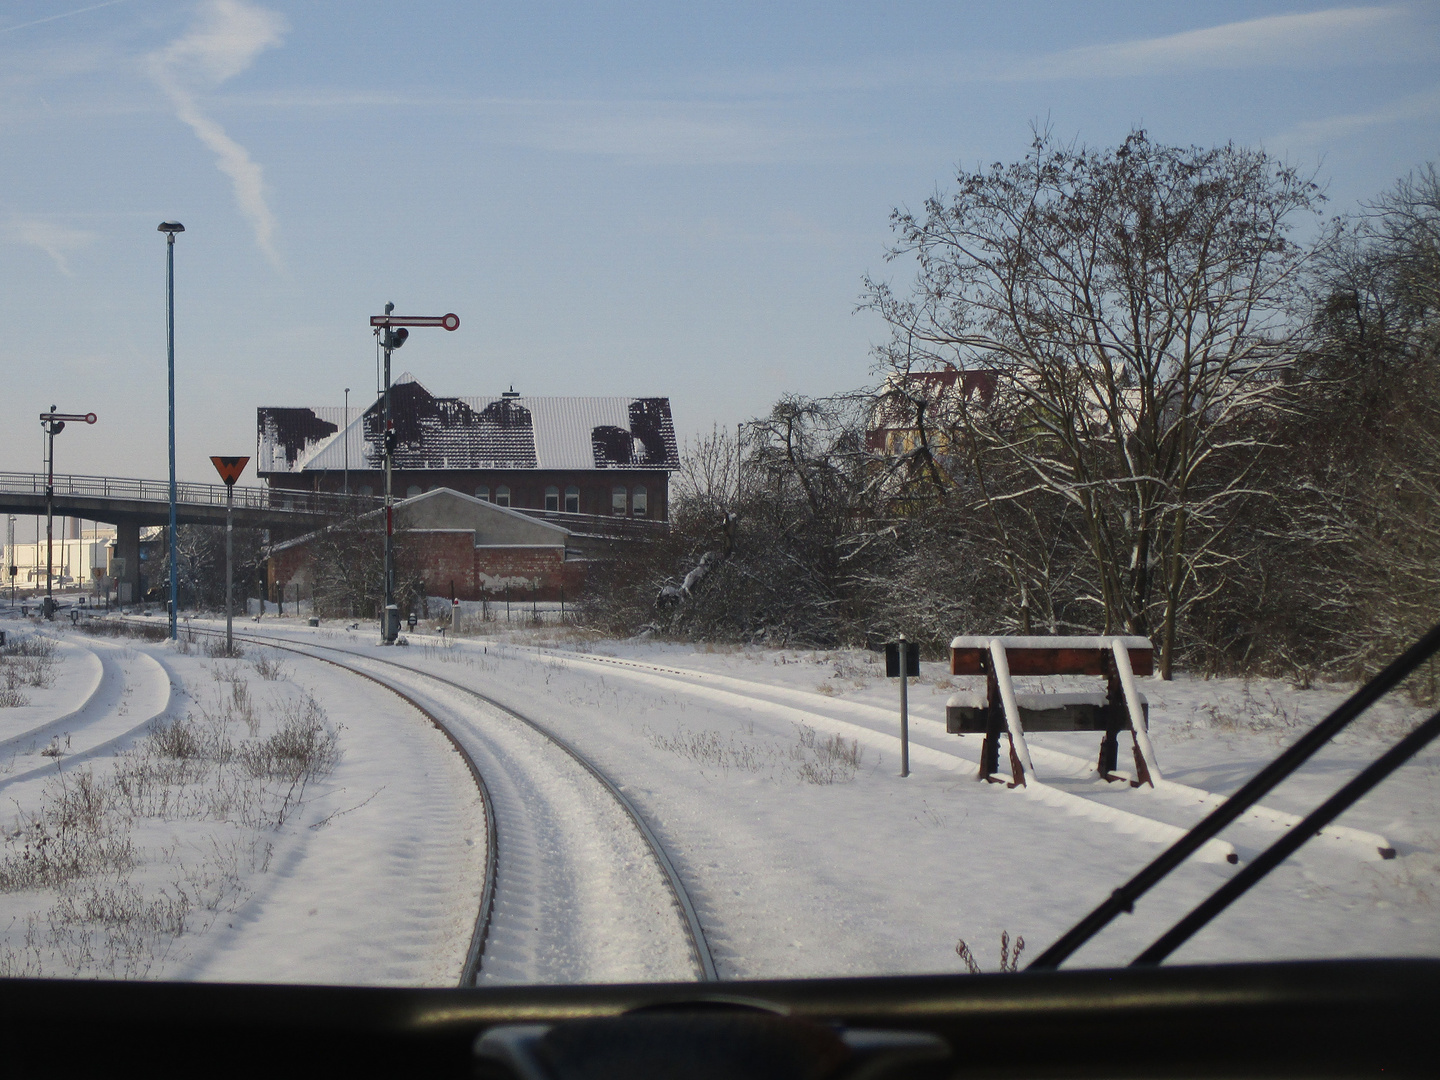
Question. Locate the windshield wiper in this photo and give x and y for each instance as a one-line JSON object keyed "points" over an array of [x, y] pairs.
{"points": [[1123, 899]]}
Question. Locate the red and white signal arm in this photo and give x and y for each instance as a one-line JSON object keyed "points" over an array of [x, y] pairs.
{"points": [[445, 322], [229, 468]]}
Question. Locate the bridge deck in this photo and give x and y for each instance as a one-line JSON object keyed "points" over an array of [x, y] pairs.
{"points": [[147, 502]]}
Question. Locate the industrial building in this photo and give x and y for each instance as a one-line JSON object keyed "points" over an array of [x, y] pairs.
{"points": [[497, 495]]}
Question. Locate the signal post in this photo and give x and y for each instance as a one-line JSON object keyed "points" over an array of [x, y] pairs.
{"points": [[392, 332], [229, 469]]}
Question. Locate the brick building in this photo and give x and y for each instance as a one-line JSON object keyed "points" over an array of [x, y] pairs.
{"points": [[465, 547]]}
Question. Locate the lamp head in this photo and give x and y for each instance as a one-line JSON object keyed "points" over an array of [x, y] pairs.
{"points": [[170, 227]]}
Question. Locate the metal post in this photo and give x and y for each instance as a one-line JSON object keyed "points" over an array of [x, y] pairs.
{"points": [[904, 707], [229, 566], [387, 632], [49, 512], [346, 437], [170, 228]]}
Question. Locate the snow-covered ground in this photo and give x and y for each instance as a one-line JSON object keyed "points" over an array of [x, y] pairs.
{"points": [[771, 777], [135, 847]]}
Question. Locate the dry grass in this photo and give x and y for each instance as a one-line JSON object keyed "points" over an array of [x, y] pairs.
{"points": [[1009, 961], [107, 906], [811, 759], [269, 667], [27, 660], [121, 628]]}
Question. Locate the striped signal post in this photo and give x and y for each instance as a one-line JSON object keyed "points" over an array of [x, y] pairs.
{"points": [[392, 332], [53, 422], [229, 469]]}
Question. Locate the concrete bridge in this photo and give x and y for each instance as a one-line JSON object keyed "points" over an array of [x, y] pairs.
{"points": [[130, 504]]}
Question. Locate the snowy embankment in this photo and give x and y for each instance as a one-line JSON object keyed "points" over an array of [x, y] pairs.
{"points": [[182, 816], [771, 777]]}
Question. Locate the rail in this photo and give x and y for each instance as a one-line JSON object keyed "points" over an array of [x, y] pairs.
{"points": [[188, 493]]}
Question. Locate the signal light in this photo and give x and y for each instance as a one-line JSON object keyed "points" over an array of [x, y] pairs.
{"points": [[395, 337]]}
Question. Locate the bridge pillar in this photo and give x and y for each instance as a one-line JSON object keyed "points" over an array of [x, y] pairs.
{"points": [[127, 550]]}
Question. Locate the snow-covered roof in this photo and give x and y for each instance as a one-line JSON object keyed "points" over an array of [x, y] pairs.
{"points": [[505, 432]]}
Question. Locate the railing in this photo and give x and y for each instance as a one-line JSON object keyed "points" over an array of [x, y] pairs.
{"points": [[600, 524], [188, 493]]}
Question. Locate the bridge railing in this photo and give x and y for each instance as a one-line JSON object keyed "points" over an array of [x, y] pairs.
{"points": [[188, 493]]}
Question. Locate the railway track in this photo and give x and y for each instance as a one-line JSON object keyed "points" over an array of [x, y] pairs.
{"points": [[472, 740]]}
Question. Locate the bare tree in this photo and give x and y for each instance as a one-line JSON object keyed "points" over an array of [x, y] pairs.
{"points": [[1362, 469], [1135, 304]]}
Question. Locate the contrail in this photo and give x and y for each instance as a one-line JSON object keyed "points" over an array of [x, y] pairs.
{"points": [[223, 41], [62, 15]]}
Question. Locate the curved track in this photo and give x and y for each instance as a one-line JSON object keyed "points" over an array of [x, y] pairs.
{"points": [[699, 950]]}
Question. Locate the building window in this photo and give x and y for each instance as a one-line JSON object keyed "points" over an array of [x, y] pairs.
{"points": [[502, 495], [638, 501], [412, 491], [572, 500], [483, 493], [552, 498], [617, 501]]}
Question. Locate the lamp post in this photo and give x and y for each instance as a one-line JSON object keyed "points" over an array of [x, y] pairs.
{"points": [[346, 437], [170, 228]]}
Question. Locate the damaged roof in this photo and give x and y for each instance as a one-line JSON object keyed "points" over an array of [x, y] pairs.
{"points": [[505, 432]]}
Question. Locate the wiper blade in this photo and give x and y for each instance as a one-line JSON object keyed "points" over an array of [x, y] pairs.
{"points": [[1279, 851], [1123, 899]]}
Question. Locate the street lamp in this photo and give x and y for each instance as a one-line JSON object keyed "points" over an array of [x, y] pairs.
{"points": [[170, 228]]}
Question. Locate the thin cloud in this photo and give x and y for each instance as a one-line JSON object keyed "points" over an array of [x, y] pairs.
{"points": [[224, 40], [1330, 37], [57, 241], [1276, 39], [1329, 130]]}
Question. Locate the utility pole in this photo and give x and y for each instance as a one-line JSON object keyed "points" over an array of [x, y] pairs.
{"points": [[391, 329]]}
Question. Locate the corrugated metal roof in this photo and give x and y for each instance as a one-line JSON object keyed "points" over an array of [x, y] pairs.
{"points": [[504, 432]]}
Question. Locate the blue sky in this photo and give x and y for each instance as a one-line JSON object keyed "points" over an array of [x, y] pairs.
{"points": [[646, 199]]}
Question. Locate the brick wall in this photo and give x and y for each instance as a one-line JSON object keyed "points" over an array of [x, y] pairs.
{"points": [[450, 560]]}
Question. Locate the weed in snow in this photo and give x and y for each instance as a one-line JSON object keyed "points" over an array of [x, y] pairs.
{"points": [[269, 668], [811, 759], [1009, 962], [27, 660], [111, 912]]}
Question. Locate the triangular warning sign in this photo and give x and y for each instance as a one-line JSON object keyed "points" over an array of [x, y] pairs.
{"points": [[230, 468]]}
